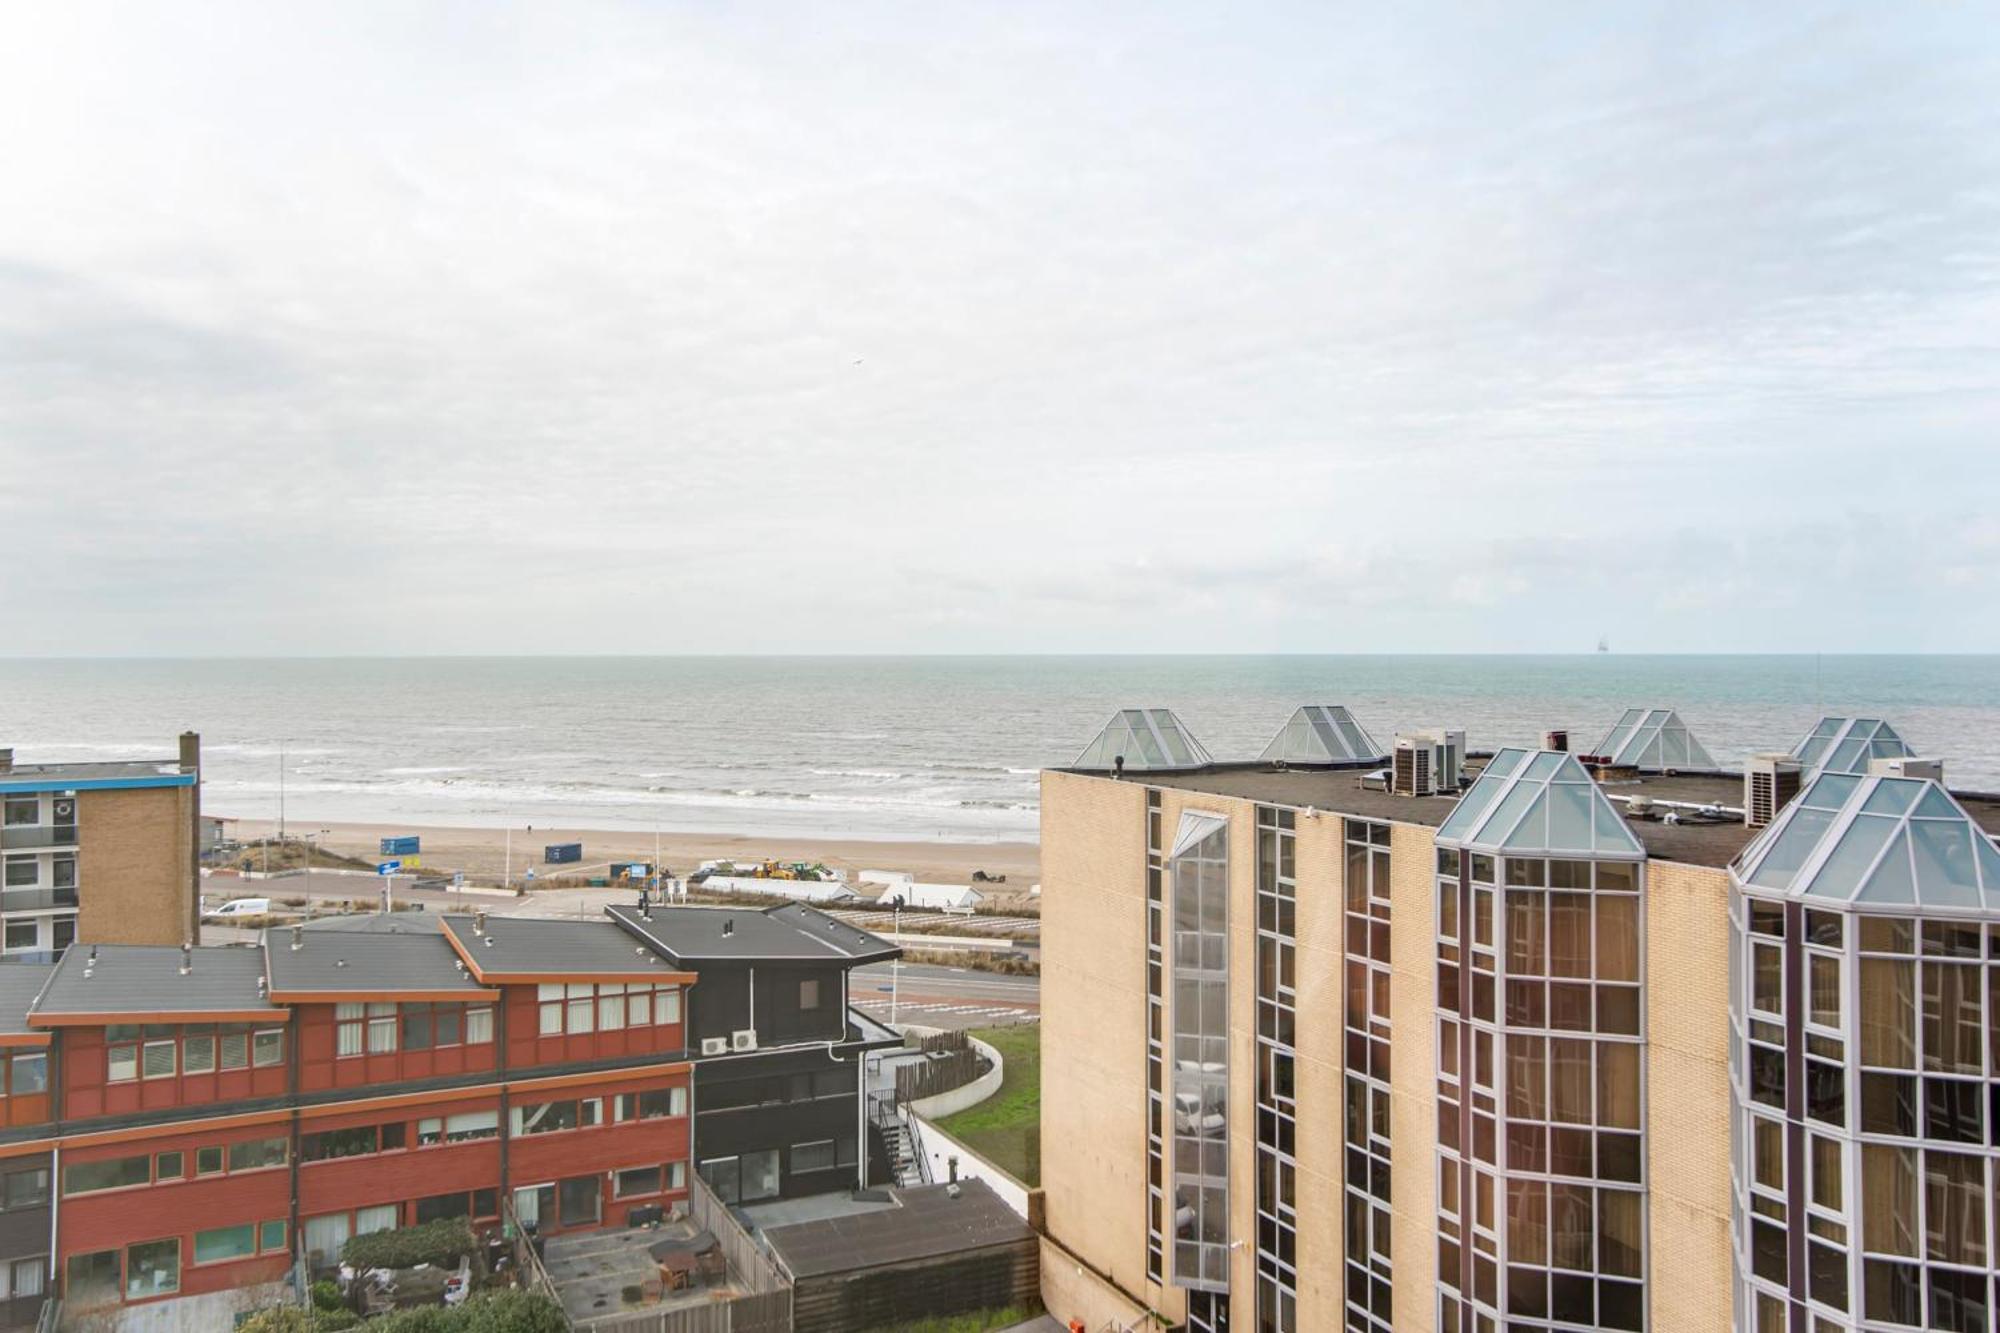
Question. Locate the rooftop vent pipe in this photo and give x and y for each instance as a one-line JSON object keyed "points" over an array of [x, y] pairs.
{"points": [[298, 938], [728, 926], [1117, 765], [479, 922], [187, 959]]}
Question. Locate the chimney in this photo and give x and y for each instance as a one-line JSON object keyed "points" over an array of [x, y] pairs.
{"points": [[7, 759], [728, 927], [479, 922], [298, 938], [187, 959], [1117, 765], [191, 751]]}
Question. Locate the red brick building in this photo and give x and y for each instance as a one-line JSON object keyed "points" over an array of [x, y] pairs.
{"points": [[183, 1121]]}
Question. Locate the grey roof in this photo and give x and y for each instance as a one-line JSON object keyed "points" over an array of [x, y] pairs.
{"points": [[378, 923], [926, 1223], [20, 983], [1538, 803], [1877, 844], [1322, 734], [543, 945], [1656, 740], [792, 932], [147, 979], [365, 962], [66, 777], [1846, 744], [1147, 739]]}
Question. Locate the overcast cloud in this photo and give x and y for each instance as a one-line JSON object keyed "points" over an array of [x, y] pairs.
{"points": [[861, 327]]}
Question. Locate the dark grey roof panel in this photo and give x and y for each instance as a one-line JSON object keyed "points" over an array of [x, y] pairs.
{"points": [[793, 932], [20, 983], [927, 1223], [329, 961], [543, 945], [144, 978], [378, 923]]}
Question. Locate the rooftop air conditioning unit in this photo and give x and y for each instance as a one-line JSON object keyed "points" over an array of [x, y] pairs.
{"points": [[1906, 766], [1556, 740], [743, 1039], [1450, 761], [715, 1045], [1770, 781], [1413, 769]]}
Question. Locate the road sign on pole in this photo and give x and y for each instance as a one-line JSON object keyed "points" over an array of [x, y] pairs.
{"points": [[388, 867]]}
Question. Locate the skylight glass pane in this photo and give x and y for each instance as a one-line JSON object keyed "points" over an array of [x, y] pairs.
{"points": [[1569, 819], [1674, 748], [1532, 833], [1989, 874], [1846, 757], [1946, 875], [1810, 751], [1935, 803], [1465, 815], [1829, 727], [1357, 744], [1542, 767], [1793, 846], [1504, 763], [1830, 791], [1891, 881], [1866, 727], [1612, 835], [1614, 744], [1500, 823], [1329, 740], [1892, 796], [1841, 874]]}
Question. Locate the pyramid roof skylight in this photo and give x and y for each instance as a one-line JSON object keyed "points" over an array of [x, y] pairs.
{"points": [[1654, 740], [1876, 844], [1322, 734], [1148, 739], [1846, 744], [1538, 803]]}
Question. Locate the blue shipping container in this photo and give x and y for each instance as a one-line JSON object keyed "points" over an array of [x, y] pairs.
{"points": [[406, 846], [557, 852]]}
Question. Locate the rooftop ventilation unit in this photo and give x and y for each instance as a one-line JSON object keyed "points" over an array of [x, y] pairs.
{"points": [[1770, 781], [1556, 740], [1907, 766], [1414, 766]]}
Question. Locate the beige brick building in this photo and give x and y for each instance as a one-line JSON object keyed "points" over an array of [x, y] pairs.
{"points": [[104, 853], [1318, 1055]]}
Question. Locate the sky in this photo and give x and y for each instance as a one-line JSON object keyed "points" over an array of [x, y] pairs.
{"points": [[501, 328]]}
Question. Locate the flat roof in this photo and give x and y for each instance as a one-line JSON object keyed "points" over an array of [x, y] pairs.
{"points": [[790, 932], [1340, 792], [924, 1223], [355, 965], [378, 923], [516, 948], [20, 983], [95, 775], [143, 983]]}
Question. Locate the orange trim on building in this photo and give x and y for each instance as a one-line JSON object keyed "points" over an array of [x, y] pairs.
{"points": [[486, 975], [25, 1038], [66, 1020], [381, 996]]}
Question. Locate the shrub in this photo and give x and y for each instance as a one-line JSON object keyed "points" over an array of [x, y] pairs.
{"points": [[285, 1319], [438, 1243], [326, 1295], [489, 1312]]}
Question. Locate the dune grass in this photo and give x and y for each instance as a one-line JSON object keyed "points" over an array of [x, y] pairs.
{"points": [[1006, 1128]]}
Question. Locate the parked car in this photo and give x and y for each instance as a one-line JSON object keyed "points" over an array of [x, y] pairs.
{"points": [[243, 907]]}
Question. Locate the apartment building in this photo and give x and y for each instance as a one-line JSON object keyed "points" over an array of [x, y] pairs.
{"points": [[107, 853], [1564, 1043], [180, 1122]]}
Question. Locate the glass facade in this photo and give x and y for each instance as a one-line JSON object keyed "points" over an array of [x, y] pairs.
{"points": [[1365, 1086], [1156, 1029], [1277, 1072], [1199, 868], [1865, 1063]]}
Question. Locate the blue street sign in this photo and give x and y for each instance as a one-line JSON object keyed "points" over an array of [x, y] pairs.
{"points": [[388, 867]]}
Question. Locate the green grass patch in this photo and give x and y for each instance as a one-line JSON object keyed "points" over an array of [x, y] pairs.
{"points": [[979, 1321], [1006, 1128]]}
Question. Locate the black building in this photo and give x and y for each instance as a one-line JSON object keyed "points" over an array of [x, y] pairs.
{"points": [[778, 1055]]}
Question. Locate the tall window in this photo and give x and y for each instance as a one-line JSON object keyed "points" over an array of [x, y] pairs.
{"points": [[1200, 873], [1277, 1107], [1365, 1088], [1156, 1030]]}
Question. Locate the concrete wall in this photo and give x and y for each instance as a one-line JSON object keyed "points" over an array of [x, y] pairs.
{"points": [[134, 856], [1687, 1097], [1320, 868], [941, 1148], [1413, 1074], [1094, 1025]]}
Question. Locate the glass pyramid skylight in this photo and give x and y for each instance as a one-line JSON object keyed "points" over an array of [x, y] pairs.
{"points": [[1876, 843], [1147, 739], [1322, 734], [1846, 744], [1538, 803], [1654, 739]]}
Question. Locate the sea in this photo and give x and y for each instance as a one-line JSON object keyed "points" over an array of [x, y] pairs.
{"points": [[889, 748]]}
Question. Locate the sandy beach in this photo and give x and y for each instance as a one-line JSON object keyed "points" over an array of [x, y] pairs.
{"points": [[482, 852]]}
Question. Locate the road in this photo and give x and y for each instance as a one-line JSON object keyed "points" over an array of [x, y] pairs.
{"points": [[950, 997]]}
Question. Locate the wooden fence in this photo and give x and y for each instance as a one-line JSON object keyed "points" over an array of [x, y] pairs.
{"points": [[766, 1309], [750, 1264], [936, 1074]]}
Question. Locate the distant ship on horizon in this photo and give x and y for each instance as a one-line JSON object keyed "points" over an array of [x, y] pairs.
{"points": [[1603, 644]]}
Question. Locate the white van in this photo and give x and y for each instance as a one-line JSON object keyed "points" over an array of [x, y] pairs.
{"points": [[243, 907]]}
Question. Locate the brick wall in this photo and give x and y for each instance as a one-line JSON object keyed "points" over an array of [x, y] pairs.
{"points": [[1413, 1085], [133, 880]]}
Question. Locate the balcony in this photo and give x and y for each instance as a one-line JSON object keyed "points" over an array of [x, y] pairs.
{"points": [[36, 899], [25, 837]]}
